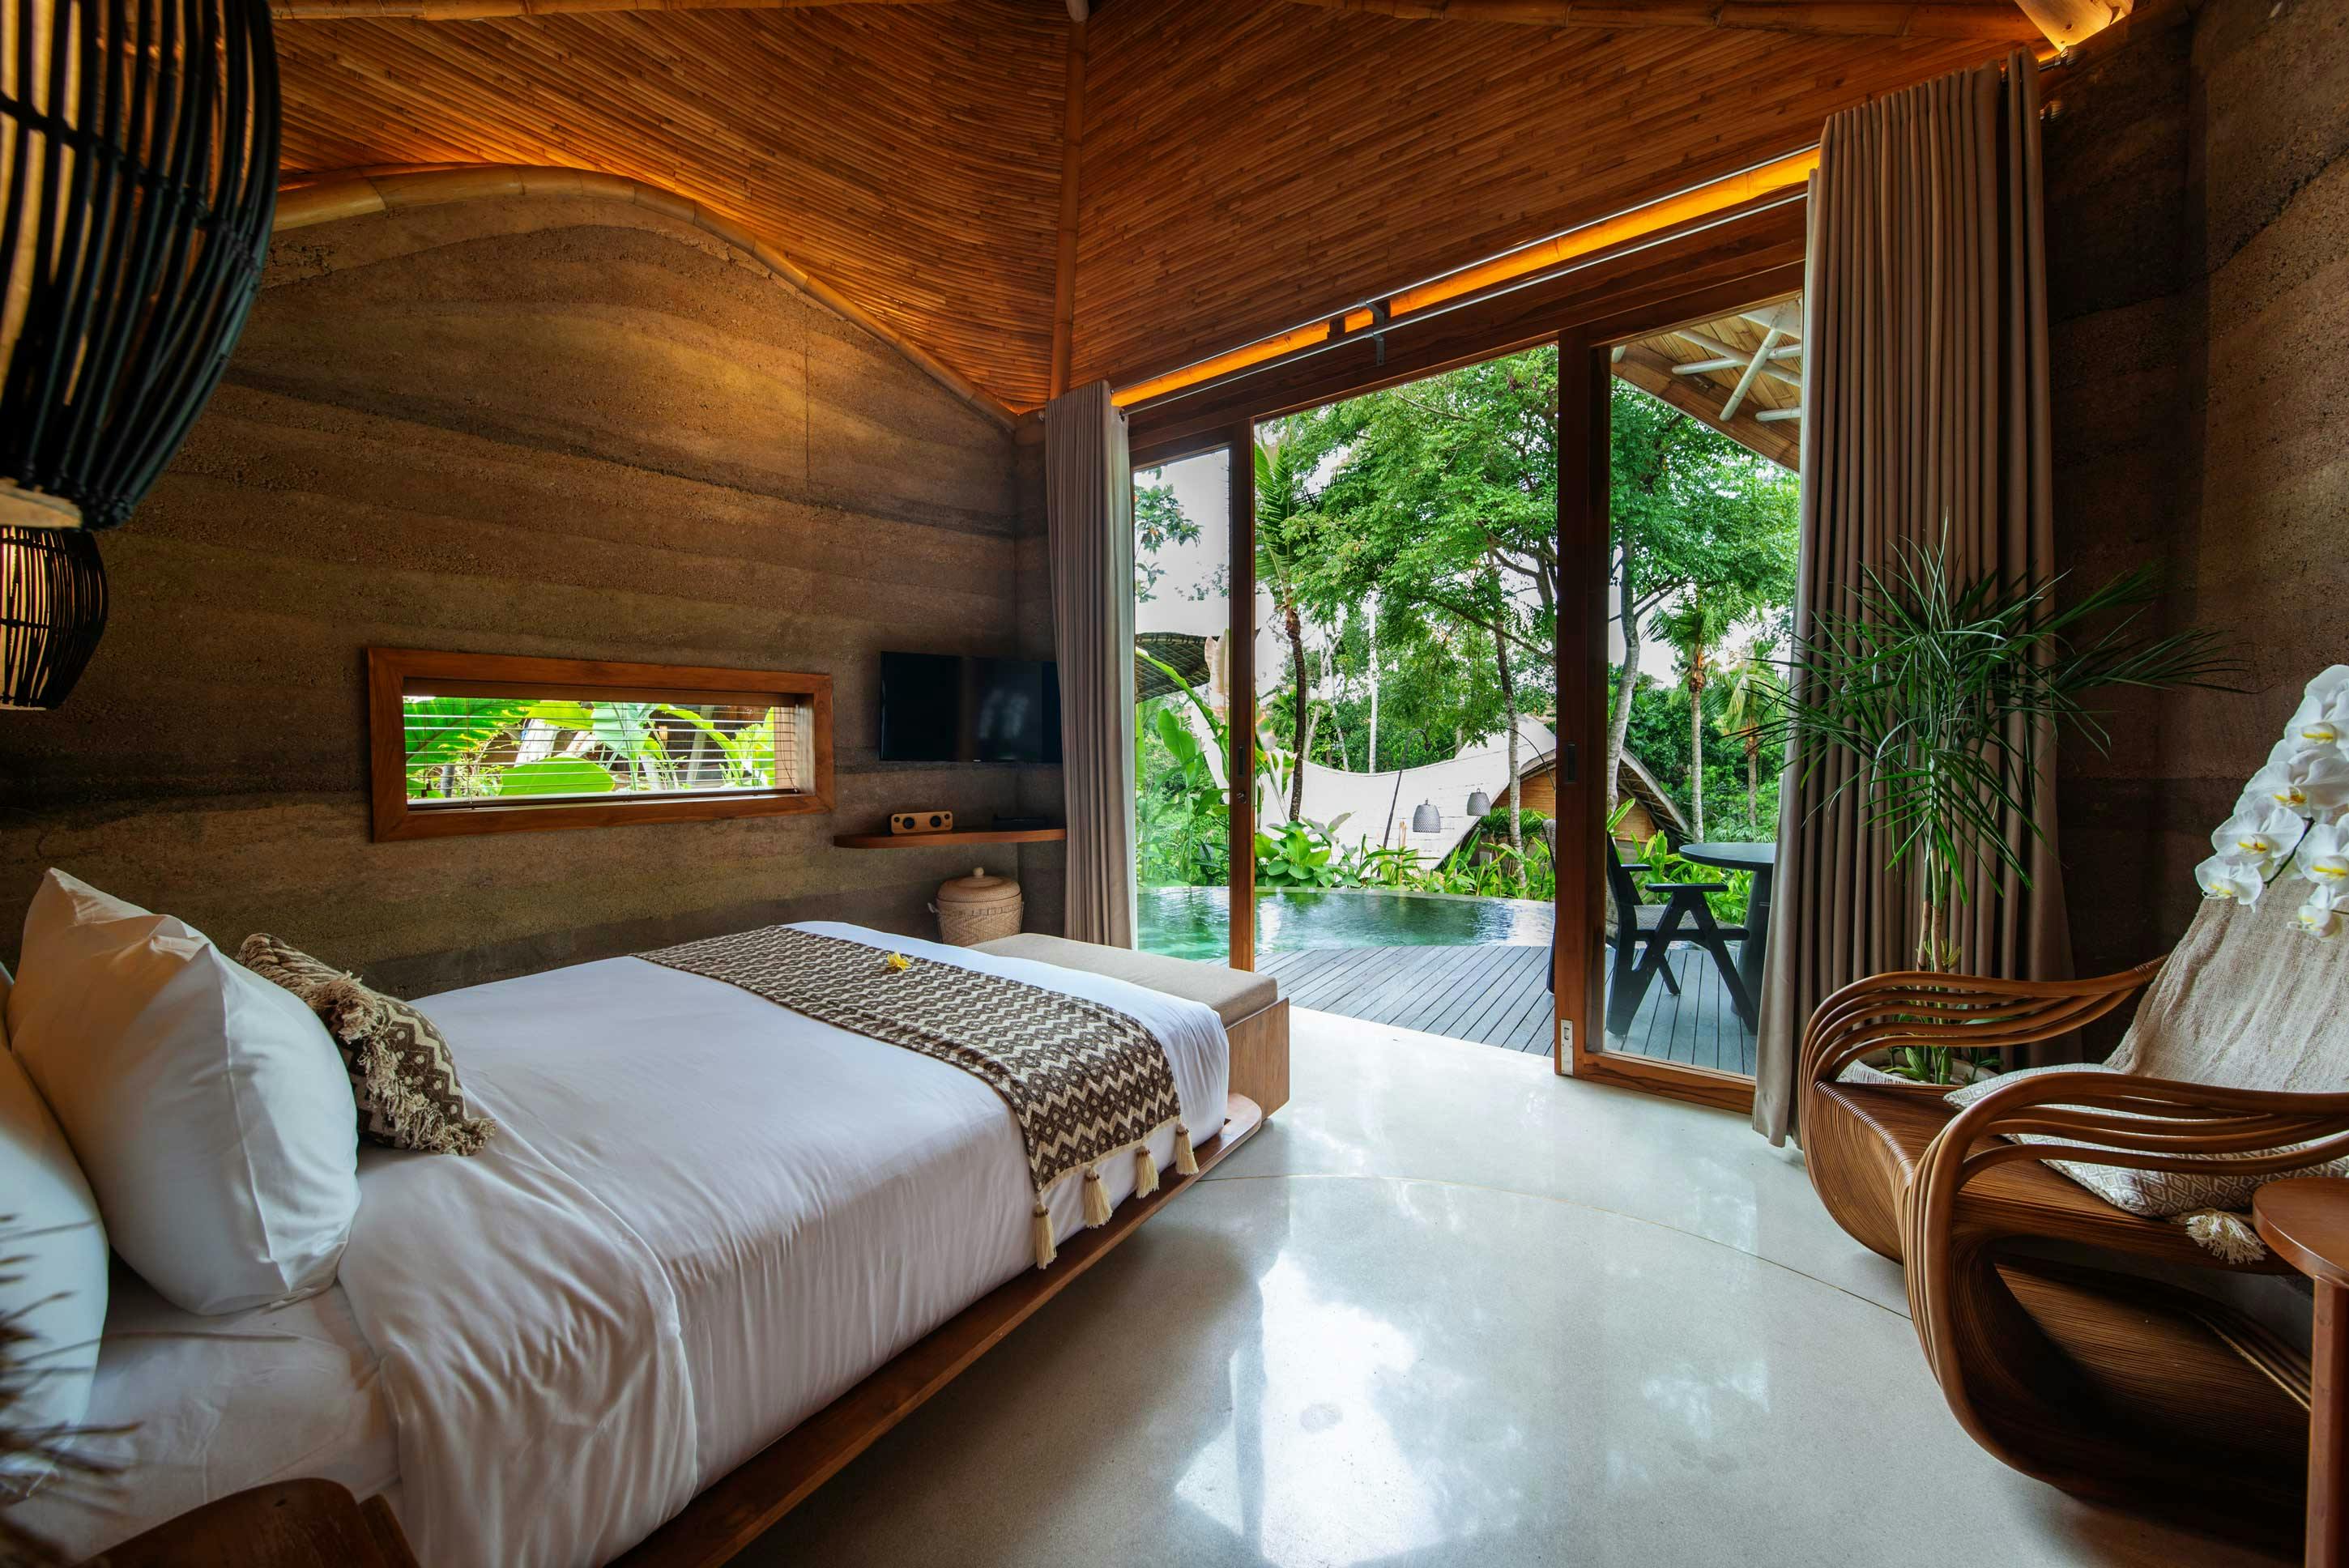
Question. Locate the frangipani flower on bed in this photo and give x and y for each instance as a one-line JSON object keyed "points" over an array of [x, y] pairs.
{"points": [[2260, 832], [2313, 782], [899, 962], [2226, 877]]}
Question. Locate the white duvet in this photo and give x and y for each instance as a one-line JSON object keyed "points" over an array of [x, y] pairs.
{"points": [[705, 1218]]}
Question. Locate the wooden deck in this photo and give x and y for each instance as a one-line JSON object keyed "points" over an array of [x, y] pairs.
{"points": [[1500, 996]]}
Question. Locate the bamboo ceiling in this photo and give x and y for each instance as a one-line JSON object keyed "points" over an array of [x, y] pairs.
{"points": [[1246, 164], [908, 156]]}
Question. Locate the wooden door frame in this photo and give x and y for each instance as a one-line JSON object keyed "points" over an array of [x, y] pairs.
{"points": [[1583, 532], [1240, 697], [1685, 279]]}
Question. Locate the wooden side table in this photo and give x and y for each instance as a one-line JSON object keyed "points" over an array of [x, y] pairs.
{"points": [[2306, 1221], [292, 1524]]}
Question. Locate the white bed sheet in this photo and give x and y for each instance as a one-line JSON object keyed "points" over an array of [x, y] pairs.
{"points": [[706, 1217], [213, 1405]]}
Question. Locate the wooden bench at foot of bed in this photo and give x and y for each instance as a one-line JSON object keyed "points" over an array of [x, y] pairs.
{"points": [[1254, 1013], [738, 1508]]}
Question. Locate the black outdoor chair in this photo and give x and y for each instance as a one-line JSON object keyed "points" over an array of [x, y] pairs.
{"points": [[1644, 934]]}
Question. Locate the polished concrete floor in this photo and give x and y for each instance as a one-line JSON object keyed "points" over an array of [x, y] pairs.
{"points": [[1450, 1309]]}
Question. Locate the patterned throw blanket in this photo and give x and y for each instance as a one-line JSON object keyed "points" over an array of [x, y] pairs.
{"points": [[1085, 1082]]}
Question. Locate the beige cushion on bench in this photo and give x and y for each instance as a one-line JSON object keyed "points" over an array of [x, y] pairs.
{"points": [[1232, 993]]}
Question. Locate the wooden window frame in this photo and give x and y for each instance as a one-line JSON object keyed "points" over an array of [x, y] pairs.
{"points": [[394, 673]]}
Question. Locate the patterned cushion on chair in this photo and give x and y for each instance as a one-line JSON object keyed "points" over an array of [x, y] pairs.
{"points": [[2157, 1195], [402, 1072]]}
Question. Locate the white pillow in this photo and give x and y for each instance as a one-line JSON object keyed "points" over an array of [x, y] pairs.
{"points": [[55, 1278], [209, 1108], [2157, 1194]]}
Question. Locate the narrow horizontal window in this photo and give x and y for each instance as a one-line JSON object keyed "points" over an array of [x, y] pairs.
{"points": [[469, 743]]}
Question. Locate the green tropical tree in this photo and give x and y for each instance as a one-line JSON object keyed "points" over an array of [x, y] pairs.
{"points": [[1285, 543], [1756, 691], [1445, 502], [1694, 627], [1444, 484], [1159, 520], [1688, 509], [1942, 692]]}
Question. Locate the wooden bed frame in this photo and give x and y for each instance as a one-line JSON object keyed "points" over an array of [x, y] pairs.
{"points": [[743, 1504]]}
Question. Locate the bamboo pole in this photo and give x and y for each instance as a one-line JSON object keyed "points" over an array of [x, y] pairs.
{"points": [[1872, 19], [478, 10], [2067, 22]]}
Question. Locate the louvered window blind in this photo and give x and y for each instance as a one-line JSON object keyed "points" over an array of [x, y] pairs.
{"points": [[475, 743], [462, 749]]}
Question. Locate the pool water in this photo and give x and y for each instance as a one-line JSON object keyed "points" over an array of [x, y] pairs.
{"points": [[1197, 921]]}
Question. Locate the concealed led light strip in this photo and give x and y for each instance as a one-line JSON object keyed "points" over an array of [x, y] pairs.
{"points": [[1763, 179]]}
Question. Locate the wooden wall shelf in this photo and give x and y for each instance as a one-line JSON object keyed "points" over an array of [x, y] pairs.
{"points": [[959, 836]]}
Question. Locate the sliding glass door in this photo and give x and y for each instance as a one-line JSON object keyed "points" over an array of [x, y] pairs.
{"points": [[1185, 705], [1687, 525]]}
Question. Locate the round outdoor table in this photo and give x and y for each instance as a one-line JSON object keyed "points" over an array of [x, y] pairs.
{"points": [[1762, 860], [2306, 1221]]}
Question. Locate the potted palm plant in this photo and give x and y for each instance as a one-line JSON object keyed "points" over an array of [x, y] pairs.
{"points": [[1942, 692]]}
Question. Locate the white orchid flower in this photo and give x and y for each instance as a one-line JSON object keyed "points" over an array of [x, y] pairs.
{"points": [[2311, 783], [2324, 856], [2322, 717], [2321, 916], [2262, 832], [2223, 876]]}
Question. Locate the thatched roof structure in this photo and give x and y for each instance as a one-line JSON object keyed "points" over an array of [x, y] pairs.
{"points": [[1031, 202]]}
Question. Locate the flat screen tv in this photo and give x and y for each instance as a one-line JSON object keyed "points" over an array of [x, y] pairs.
{"points": [[939, 707]]}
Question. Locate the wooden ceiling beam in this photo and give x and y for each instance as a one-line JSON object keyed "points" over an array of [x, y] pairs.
{"points": [[2067, 22], [482, 10], [1874, 18]]}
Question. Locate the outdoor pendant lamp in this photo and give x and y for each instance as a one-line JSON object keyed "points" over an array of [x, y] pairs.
{"points": [[138, 178], [1426, 818], [1479, 804]]}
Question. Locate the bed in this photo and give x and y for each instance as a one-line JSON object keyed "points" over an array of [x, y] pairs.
{"points": [[706, 1219]]}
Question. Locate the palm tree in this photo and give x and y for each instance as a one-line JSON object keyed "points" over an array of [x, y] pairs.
{"points": [[1693, 627], [1755, 688], [1942, 691], [1282, 510]]}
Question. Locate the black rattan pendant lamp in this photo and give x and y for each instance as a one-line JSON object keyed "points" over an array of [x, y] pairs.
{"points": [[138, 178]]}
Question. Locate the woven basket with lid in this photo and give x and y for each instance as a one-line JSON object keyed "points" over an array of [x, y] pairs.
{"points": [[978, 908]]}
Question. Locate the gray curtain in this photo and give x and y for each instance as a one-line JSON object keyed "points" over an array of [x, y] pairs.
{"points": [[1925, 410], [1089, 502]]}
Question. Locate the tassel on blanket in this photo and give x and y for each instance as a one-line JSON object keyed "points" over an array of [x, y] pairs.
{"points": [[1042, 1228], [1096, 1199], [1186, 1162], [2224, 1234], [1146, 1172]]}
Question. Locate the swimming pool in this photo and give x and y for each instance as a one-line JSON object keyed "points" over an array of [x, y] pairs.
{"points": [[1195, 921]]}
